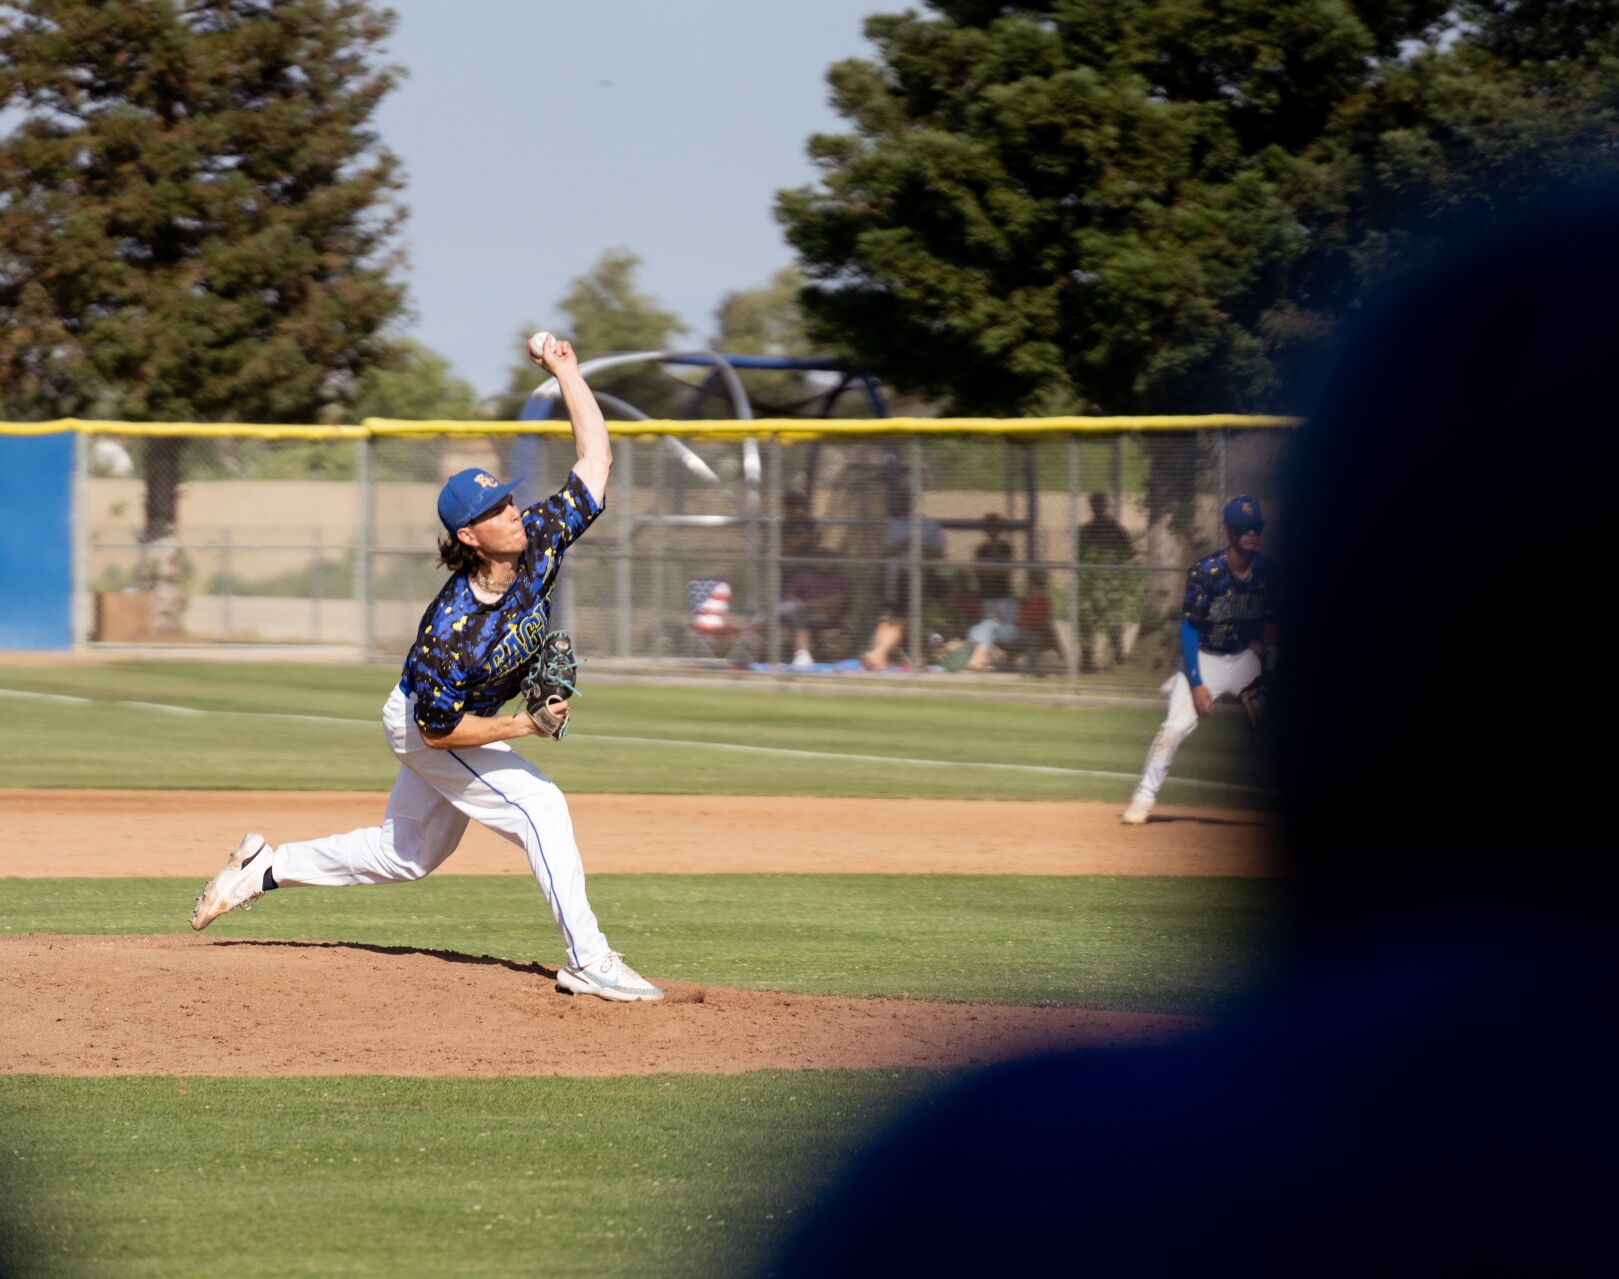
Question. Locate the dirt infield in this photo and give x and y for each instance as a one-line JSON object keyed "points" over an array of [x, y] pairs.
{"points": [[201, 1005], [113, 833], [195, 1005]]}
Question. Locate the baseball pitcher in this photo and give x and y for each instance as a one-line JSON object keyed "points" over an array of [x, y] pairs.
{"points": [[484, 639]]}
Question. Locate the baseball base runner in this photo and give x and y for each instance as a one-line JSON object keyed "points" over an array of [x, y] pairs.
{"points": [[1228, 640]]}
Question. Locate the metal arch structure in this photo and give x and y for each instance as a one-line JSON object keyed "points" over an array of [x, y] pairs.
{"points": [[688, 458], [543, 400], [725, 366], [805, 364]]}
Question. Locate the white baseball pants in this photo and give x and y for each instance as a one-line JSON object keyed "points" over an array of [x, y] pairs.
{"points": [[1224, 675], [435, 794]]}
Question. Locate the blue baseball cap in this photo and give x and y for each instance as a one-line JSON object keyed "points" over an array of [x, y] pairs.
{"points": [[468, 494], [1240, 511]]}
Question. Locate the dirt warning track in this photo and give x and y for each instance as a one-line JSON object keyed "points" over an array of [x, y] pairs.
{"points": [[128, 832]]}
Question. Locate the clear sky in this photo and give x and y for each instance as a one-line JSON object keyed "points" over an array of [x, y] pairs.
{"points": [[535, 135]]}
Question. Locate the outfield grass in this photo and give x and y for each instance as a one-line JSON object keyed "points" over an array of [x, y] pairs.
{"points": [[1173, 945], [865, 743], [666, 1175]]}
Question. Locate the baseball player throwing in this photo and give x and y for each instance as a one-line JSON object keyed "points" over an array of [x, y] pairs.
{"points": [[444, 722], [1228, 639]]}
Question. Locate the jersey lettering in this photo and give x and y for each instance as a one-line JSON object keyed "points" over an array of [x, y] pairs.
{"points": [[519, 645], [1230, 614], [1237, 608]]}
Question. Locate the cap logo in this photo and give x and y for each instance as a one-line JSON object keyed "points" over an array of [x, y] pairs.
{"points": [[1247, 508], [485, 481]]}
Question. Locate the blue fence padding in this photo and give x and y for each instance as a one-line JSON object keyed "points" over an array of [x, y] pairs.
{"points": [[36, 541]]}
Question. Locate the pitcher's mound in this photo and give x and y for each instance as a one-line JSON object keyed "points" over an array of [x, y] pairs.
{"points": [[195, 1005]]}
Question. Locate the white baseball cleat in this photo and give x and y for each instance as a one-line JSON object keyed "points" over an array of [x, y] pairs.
{"points": [[241, 883], [608, 978], [1140, 806]]}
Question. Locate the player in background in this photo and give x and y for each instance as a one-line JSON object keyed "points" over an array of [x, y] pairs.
{"points": [[444, 723], [1228, 638]]}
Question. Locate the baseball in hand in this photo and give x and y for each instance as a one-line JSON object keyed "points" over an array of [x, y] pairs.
{"points": [[537, 345]]}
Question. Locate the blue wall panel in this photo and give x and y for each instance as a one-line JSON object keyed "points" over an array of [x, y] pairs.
{"points": [[36, 541]]}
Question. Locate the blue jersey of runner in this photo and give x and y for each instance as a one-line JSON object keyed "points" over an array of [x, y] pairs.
{"points": [[469, 658], [1228, 613]]}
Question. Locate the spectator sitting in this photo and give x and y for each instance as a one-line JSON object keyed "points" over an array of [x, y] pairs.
{"points": [[816, 598], [896, 548], [1030, 632]]}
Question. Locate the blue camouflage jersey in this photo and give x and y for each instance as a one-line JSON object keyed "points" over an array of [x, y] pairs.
{"points": [[469, 658], [1228, 613]]}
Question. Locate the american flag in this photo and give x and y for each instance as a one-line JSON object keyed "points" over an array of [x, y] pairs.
{"points": [[710, 600], [699, 589]]}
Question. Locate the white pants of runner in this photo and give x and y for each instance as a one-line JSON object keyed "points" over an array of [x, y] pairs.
{"points": [[435, 794], [1224, 674]]}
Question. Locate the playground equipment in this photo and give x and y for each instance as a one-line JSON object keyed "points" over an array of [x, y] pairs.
{"points": [[721, 381]]}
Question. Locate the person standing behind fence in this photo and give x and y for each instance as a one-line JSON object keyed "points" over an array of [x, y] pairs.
{"points": [[1228, 637], [799, 533], [1108, 601], [478, 638], [991, 576]]}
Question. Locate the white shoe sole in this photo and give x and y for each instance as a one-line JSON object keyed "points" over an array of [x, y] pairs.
{"points": [[211, 905], [576, 984]]}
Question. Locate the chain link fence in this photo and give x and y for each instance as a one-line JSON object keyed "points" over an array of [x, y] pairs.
{"points": [[797, 547]]}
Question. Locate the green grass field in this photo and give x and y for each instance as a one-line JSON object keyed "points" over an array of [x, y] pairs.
{"points": [[661, 1175], [1128, 942], [667, 1175], [240, 726]]}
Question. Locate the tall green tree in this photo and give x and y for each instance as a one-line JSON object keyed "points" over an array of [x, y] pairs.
{"points": [[606, 312], [1159, 205], [196, 215]]}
